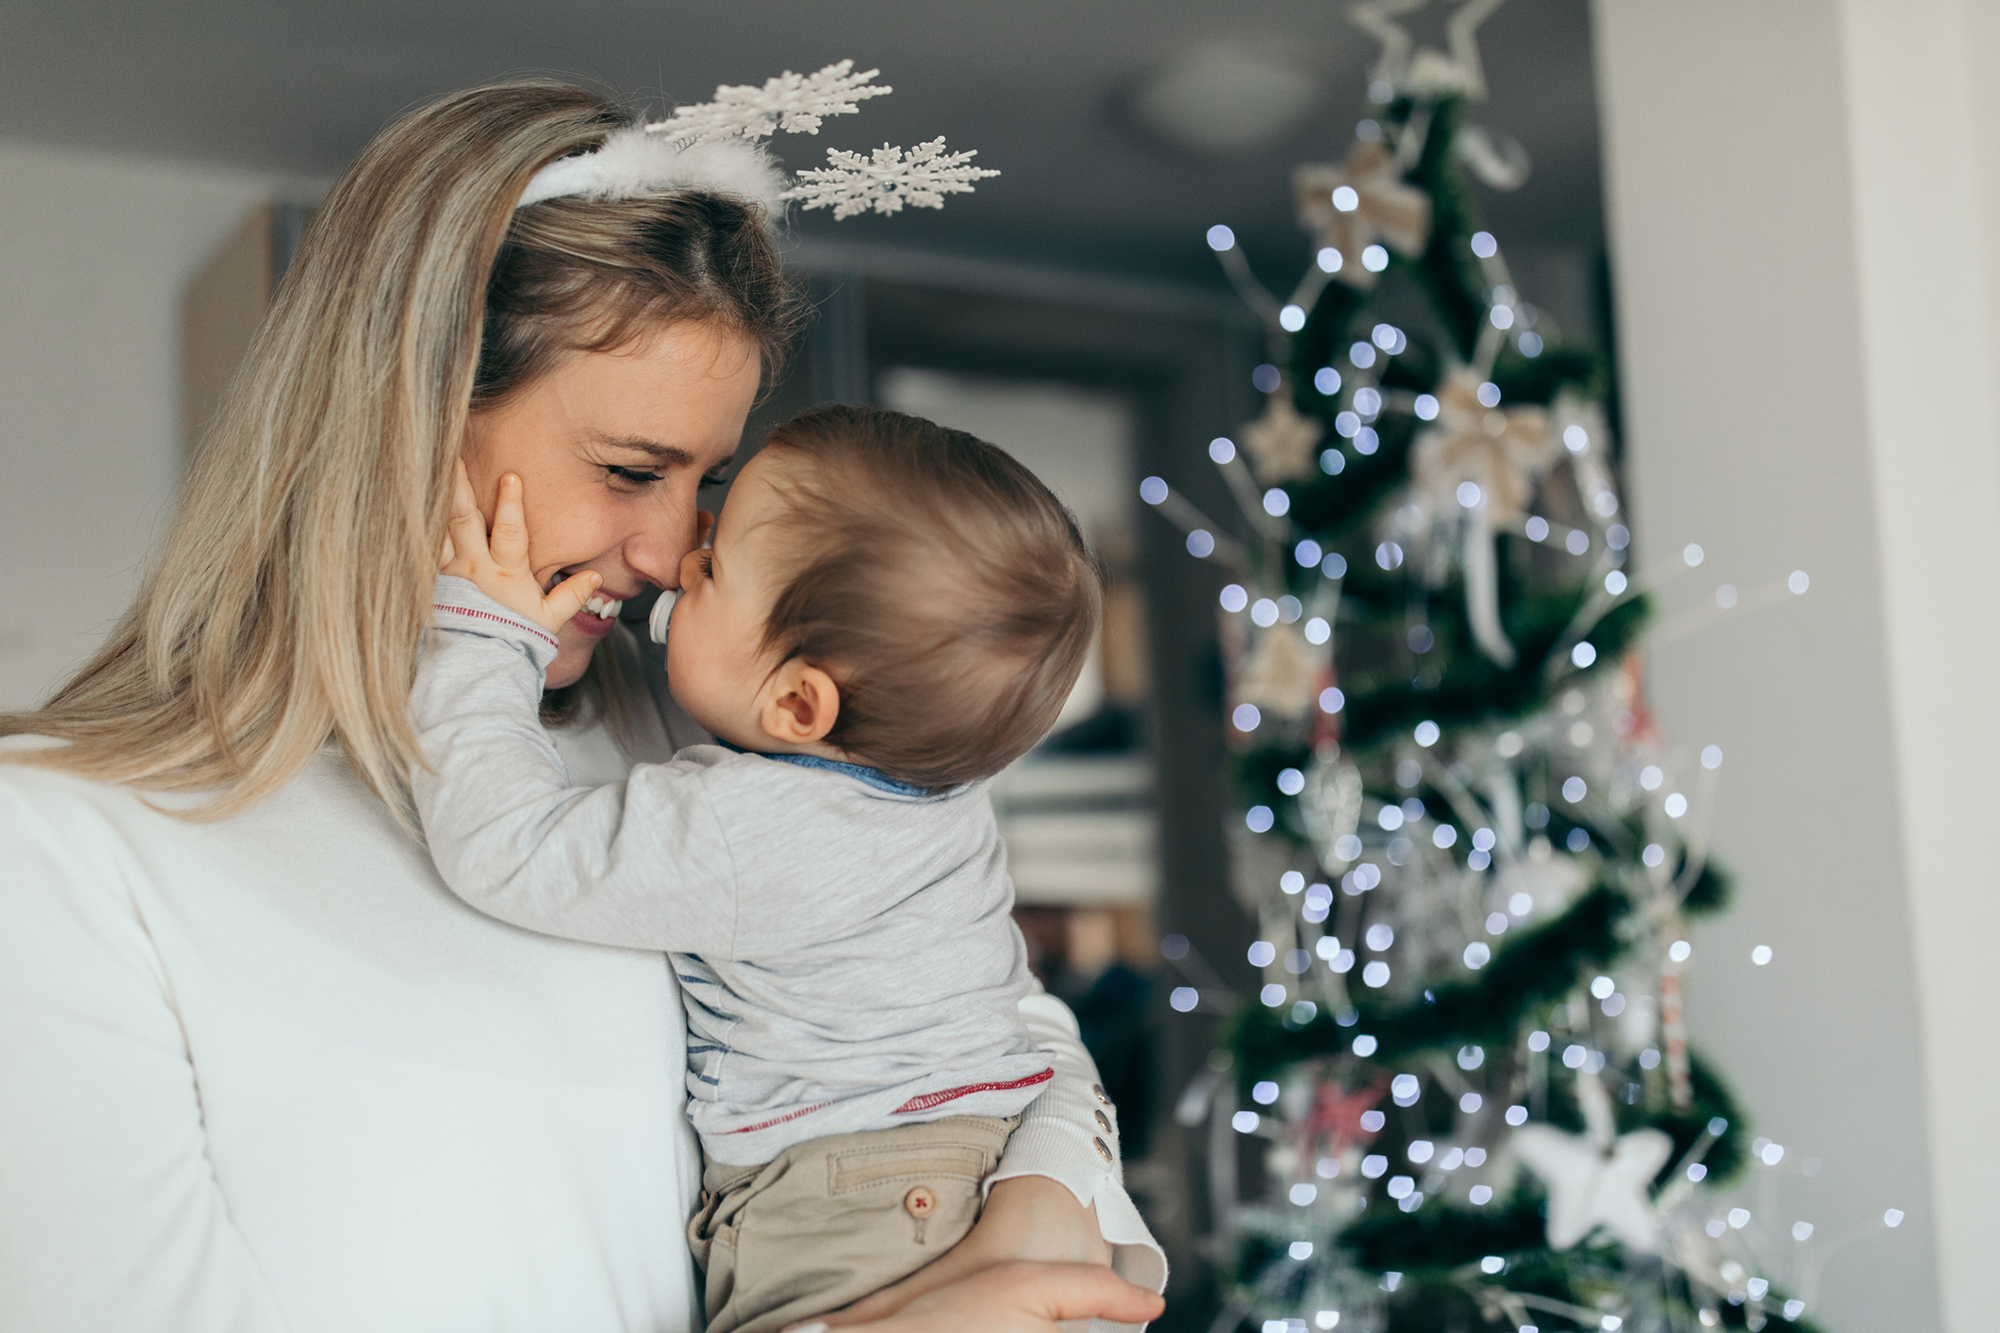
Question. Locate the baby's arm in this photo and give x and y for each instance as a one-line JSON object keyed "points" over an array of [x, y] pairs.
{"points": [[635, 864], [640, 864]]}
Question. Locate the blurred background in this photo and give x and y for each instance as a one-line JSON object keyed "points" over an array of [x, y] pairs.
{"points": [[1780, 222]]}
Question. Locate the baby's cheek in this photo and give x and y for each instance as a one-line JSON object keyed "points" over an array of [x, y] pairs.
{"points": [[680, 655]]}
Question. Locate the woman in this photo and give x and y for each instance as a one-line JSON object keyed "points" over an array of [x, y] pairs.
{"points": [[262, 1071]]}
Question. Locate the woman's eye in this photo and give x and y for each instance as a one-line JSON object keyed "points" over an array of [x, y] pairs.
{"points": [[716, 478], [632, 475], [707, 564]]}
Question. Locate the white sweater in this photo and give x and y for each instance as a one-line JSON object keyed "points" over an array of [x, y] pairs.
{"points": [[269, 1074]]}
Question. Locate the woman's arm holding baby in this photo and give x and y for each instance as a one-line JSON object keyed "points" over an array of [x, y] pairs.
{"points": [[1004, 1298], [1070, 1134]]}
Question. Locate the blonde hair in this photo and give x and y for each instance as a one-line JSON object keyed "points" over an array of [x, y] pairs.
{"points": [[288, 604], [947, 592]]}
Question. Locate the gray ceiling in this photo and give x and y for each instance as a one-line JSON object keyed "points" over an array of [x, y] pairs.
{"points": [[1040, 87]]}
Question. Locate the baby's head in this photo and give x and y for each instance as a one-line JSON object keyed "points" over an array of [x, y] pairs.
{"points": [[887, 591]]}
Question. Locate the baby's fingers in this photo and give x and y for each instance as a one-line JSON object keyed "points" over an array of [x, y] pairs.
{"points": [[569, 596], [465, 536], [508, 542]]}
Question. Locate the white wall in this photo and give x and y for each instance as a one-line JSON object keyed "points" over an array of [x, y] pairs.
{"points": [[1804, 246], [94, 253], [1929, 246]]}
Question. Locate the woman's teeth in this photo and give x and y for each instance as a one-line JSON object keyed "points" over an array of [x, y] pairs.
{"points": [[606, 610]]}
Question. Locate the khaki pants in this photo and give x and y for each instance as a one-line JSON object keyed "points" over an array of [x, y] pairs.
{"points": [[835, 1219]]}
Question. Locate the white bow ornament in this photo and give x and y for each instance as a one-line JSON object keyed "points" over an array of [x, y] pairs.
{"points": [[1382, 206], [1502, 452]]}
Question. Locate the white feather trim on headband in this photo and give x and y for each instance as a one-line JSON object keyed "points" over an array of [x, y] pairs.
{"points": [[633, 162], [714, 147]]}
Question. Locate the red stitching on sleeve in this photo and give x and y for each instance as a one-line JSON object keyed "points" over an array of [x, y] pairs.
{"points": [[783, 1119], [535, 630]]}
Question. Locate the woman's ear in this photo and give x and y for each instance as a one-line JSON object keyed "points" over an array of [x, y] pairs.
{"points": [[800, 704]]}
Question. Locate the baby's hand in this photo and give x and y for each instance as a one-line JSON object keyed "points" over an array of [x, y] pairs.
{"points": [[500, 567]]}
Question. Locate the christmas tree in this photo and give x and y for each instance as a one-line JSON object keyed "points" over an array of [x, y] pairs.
{"points": [[1470, 853]]}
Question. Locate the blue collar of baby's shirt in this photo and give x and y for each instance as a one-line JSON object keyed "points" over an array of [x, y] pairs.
{"points": [[874, 777]]}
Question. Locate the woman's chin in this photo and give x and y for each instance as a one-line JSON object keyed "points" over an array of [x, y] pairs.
{"points": [[572, 660]]}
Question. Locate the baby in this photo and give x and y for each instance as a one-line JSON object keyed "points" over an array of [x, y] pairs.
{"points": [[890, 612]]}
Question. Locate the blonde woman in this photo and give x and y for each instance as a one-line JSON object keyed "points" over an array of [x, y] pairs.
{"points": [[259, 1070]]}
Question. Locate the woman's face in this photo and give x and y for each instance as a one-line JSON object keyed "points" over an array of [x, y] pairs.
{"points": [[611, 448]]}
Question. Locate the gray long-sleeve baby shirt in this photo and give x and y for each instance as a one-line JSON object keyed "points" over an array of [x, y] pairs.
{"points": [[843, 941]]}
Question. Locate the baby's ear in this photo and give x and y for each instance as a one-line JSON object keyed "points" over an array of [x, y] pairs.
{"points": [[800, 704]]}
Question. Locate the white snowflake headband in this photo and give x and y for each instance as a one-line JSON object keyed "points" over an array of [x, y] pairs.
{"points": [[717, 146]]}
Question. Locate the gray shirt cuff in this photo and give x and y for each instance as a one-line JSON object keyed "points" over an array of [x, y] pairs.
{"points": [[457, 606]]}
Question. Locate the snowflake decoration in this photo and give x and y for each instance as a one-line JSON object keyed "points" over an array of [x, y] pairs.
{"points": [[718, 146], [887, 179], [794, 103]]}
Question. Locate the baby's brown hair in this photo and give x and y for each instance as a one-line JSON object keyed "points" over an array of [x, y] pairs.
{"points": [[938, 581]]}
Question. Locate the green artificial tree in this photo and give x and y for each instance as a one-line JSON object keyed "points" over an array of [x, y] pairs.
{"points": [[1469, 853]]}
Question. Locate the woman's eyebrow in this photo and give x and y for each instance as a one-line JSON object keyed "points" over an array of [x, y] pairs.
{"points": [[667, 455]]}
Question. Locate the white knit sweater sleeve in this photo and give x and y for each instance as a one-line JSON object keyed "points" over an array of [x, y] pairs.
{"points": [[1070, 1135]]}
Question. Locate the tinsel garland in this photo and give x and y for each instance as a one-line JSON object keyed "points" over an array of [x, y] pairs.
{"points": [[1432, 1251], [1537, 968], [1533, 972]]}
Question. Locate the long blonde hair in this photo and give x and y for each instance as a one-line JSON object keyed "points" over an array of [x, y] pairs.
{"points": [[288, 603]]}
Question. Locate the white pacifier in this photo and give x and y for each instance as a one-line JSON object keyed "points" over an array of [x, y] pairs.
{"points": [[663, 614]]}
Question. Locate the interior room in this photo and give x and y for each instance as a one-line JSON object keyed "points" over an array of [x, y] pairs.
{"points": [[1504, 848]]}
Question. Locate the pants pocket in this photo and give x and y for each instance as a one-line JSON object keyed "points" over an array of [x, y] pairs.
{"points": [[832, 1221]]}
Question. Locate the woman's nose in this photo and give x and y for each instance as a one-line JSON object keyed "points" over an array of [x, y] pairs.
{"points": [[656, 552], [655, 562]]}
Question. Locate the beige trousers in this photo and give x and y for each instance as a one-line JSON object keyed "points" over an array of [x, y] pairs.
{"points": [[832, 1220]]}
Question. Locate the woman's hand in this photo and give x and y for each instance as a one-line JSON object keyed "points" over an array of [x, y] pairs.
{"points": [[500, 566], [1010, 1298], [1026, 1218]]}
